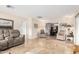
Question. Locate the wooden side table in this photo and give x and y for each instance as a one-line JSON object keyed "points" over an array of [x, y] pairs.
{"points": [[76, 49]]}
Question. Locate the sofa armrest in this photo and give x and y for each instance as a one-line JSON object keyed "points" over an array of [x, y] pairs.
{"points": [[20, 39], [22, 36]]}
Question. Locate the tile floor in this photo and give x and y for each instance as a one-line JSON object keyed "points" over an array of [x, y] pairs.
{"points": [[48, 45]]}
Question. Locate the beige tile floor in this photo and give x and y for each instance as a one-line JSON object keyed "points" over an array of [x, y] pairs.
{"points": [[49, 45]]}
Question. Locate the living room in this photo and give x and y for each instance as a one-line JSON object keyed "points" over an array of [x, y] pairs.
{"points": [[43, 29]]}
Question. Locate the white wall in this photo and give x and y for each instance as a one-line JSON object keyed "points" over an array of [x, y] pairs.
{"points": [[34, 31], [64, 19], [26, 25], [70, 19], [77, 30], [19, 22], [29, 28], [67, 19]]}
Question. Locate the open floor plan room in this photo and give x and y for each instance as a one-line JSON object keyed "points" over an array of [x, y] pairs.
{"points": [[39, 29]]}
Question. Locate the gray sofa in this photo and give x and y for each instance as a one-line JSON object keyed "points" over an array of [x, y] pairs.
{"points": [[10, 38]]}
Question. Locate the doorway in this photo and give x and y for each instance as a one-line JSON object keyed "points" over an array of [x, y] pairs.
{"points": [[51, 29]]}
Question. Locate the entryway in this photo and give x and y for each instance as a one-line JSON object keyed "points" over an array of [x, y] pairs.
{"points": [[51, 29]]}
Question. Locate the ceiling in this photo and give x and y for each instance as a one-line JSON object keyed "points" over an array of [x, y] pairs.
{"points": [[49, 11]]}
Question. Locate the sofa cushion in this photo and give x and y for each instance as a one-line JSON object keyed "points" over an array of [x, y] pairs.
{"points": [[10, 41], [3, 44], [1, 37], [6, 33], [14, 33], [1, 31], [1, 34]]}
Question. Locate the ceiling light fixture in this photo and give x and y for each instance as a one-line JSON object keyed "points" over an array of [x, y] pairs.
{"points": [[39, 17], [9, 6]]}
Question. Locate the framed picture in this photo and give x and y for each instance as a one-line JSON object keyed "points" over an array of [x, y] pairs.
{"points": [[5, 23], [35, 25]]}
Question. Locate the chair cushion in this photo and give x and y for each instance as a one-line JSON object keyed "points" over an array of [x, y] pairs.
{"points": [[6, 33], [14, 33]]}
